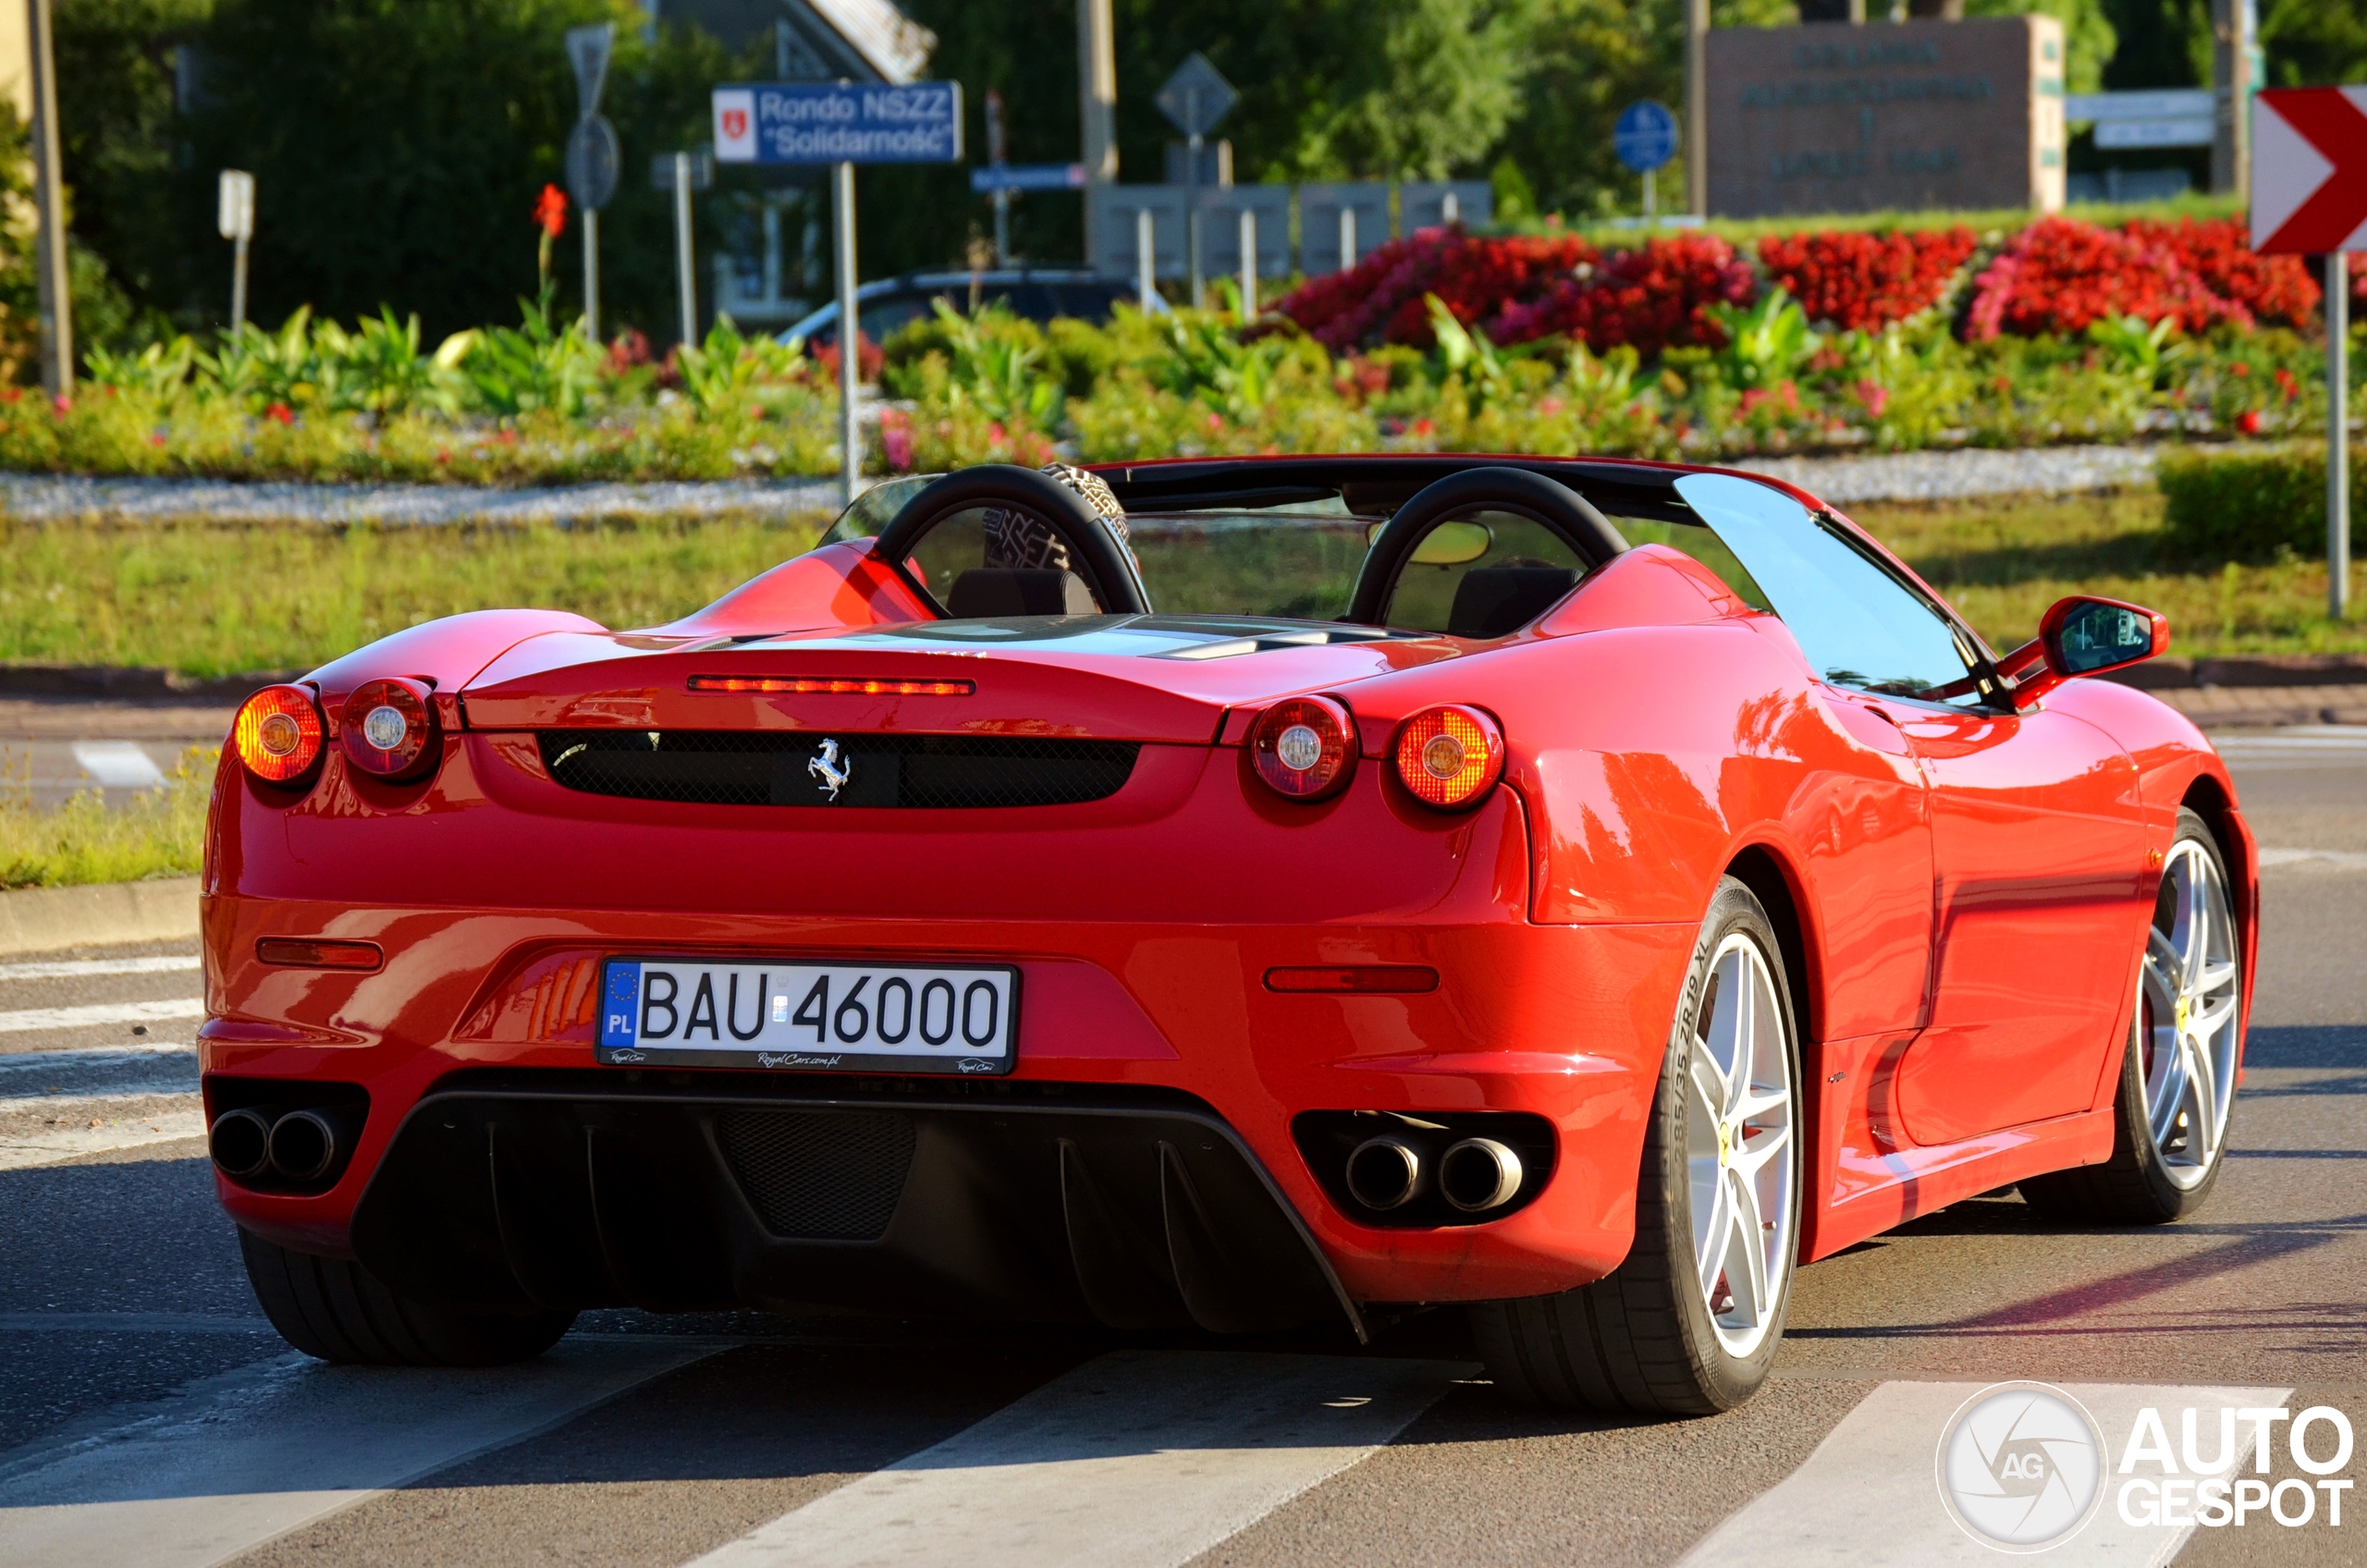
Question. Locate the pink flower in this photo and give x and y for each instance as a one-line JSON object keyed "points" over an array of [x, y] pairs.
{"points": [[896, 439], [1874, 395]]}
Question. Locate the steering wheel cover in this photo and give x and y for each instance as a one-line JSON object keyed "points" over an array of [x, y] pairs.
{"points": [[1542, 500], [1094, 551]]}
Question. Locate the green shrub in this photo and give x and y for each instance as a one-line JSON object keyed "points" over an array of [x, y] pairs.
{"points": [[2252, 506]]}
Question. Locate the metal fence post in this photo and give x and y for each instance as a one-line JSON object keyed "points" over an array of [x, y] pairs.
{"points": [[1248, 265], [591, 275], [1347, 236], [2337, 434], [682, 248], [1146, 256]]}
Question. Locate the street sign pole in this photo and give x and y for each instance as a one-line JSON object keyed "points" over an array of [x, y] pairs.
{"points": [[1002, 192], [56, 302], [236, 219], [591, 275], [592, 159], [850, 337], [2337, 433], [838, 126], [1195, 98], [1192, 194], [2307, 181]]}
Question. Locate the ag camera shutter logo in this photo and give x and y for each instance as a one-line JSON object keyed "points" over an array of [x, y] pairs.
{"points": [[2021, 1466]]}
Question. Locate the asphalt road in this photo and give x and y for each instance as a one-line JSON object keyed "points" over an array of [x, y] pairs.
{"points": [[148, 1414]]}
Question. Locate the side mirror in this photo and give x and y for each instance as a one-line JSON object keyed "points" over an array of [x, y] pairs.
{"points": [[2084, 636]]}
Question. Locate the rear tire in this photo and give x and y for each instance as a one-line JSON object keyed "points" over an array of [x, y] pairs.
{"points": [[337, 1311], [1721, 1152], [2178, 1067]]}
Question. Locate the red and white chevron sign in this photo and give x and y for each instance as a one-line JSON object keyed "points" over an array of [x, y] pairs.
{"points": [[2310, 170]]}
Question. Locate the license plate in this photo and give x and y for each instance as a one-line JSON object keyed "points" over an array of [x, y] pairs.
{"points": [[816, 1017]]}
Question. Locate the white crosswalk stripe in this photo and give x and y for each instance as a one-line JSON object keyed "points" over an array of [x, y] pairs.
{"points": [[80, 968], [290, 1440], [1132, 1461], [1868, 1496], [2303, 745], [26, 1020], [1138, 1459]]}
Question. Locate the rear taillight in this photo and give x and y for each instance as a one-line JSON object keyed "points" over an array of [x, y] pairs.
{"points": [[388, 727], [1450, 758], [278, 734], [1304, 748]]}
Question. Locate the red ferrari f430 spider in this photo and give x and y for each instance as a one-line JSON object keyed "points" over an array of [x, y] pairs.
{"points": [[1241, 893]]}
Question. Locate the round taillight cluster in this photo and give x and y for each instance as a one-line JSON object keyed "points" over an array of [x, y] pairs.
{"points": [[278, 734], [388, 727], [1450, 756], [1304, 748]]}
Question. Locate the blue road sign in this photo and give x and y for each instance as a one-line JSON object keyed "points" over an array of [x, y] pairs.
{"points": [[772, 122], [1645, 137], [1027, 177]]}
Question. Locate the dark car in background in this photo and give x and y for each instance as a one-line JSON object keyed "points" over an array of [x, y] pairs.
{"points": [[1036, 294]]}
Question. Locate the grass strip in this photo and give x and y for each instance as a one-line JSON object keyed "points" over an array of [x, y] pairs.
{"points": [[209, 598], [159, 832]]}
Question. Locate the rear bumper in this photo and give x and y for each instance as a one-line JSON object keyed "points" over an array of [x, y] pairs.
{"points": [[1137, 1210]]}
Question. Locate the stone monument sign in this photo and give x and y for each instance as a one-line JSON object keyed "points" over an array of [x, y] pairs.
{"points": [[1834, 119]]}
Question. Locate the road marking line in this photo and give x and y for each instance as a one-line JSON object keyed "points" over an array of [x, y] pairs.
{"points": [[1134, 1460], [75, 969], [131, 1323], [2329, 859], [108, 1099], [259, 1456], [32, 1150], [119, 765], [32, 1018], [84, 1058], [1869, 1497]]}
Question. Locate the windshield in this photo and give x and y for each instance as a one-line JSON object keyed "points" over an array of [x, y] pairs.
{"points": [[1301, 560]]}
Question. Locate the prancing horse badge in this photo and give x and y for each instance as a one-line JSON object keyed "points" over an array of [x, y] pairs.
{"points": [[830, 769]]}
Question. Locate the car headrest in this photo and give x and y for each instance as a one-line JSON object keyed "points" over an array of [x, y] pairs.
{"points": [[1495, 601], [992, 591]]}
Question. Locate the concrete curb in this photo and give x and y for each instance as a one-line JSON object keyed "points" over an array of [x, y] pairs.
{"points": [[35, 919]]}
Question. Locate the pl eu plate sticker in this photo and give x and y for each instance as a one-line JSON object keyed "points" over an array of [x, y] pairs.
{"points": [[623, 1002]]}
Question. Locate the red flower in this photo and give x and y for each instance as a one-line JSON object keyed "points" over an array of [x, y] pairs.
{"points": [[281, 412], [1857, 280], [550, 211], [2239, 368], [2248, 422]]}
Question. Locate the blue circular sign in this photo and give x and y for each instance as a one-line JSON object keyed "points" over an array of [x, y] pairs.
{"points": [[1645, 137]]}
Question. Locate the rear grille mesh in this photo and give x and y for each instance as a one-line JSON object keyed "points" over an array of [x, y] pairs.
{"points": [[826, 1176], [739, 768]]}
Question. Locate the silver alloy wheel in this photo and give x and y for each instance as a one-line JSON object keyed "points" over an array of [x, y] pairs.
{"points": [[1738, 1140], [2190, 994]]}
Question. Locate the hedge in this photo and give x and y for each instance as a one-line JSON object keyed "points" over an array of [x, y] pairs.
{"points": [[2253, 505]]}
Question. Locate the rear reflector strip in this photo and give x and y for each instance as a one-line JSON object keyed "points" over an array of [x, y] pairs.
{"points": [[299, 954], [1366, 978], [831, 686]]}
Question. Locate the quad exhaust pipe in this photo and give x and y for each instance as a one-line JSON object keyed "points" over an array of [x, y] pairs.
{"points": [[1386, 1172], [296, 1147], [1474, 1175], [1479, 1174]]}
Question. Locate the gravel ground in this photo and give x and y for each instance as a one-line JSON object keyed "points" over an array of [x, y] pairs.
{"points": [[1894, 476], [1946, 476], [51, 497]]}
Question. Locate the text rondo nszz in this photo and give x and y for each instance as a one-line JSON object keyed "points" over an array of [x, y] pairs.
{"points": [[830, 123]]}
